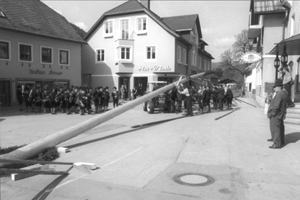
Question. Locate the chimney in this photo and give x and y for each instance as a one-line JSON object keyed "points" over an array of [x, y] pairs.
{"points": [[146, 3]]}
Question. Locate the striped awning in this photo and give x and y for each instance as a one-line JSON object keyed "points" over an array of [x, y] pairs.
{"points": [[268, 6]]}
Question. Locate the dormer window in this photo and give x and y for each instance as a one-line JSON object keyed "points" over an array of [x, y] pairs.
{"points": [[141, 25]]}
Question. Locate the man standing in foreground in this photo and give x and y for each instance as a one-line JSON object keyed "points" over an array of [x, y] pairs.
{"points": [[276, 114]]}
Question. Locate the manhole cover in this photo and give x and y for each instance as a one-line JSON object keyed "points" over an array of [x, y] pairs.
{"points": [[193, 179]]}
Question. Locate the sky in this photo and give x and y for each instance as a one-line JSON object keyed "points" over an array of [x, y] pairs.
{"points": [[220, 21]]}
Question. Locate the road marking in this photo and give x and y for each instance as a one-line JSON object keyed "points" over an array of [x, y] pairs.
{"points": [[103, 166], [121, 158]]}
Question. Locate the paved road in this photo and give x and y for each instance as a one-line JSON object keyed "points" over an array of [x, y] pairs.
{"points": [[139, 156]]}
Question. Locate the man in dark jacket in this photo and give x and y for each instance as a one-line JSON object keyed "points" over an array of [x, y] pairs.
{"points": [[206, 98], [276, 114]]}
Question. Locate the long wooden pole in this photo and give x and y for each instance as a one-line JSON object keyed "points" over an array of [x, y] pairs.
{"points": [[52, 140]]}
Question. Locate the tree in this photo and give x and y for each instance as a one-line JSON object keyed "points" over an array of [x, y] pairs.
{"points": [[233, 65]]}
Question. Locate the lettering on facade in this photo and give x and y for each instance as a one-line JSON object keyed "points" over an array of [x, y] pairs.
{"points": [[155, 68], [41, 72], [55, 72], [36, 71]]}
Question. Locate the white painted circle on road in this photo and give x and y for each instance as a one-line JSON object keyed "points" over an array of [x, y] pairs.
{"points": [[194, 179]]}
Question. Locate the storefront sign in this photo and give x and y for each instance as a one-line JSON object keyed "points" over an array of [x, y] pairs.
{"points": [[55, 72], [42, 72], [36, 71], [251, 57], [155, 68]]}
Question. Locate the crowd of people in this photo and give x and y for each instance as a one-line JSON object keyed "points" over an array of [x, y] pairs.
{"points": [[69, 100], [86, 100], [203, 96]]}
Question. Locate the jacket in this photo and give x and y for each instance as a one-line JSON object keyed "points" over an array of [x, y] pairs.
{"points": [[278, 105]]}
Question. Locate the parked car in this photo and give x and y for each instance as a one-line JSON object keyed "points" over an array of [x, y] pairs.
{"points": [[161, 102]]}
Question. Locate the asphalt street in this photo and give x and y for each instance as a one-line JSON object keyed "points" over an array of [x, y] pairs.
{"points": [[140, 156]]}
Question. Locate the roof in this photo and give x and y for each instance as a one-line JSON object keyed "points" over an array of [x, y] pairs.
{"points": [[178, 23], [292, 46], [206, 54], [130, 7], [268, 6], [34, 17]]}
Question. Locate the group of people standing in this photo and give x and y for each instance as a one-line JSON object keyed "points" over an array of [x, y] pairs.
{"points": [[68, 100], [218, 95]]}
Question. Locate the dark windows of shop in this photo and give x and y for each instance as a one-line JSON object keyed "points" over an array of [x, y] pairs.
{"points": [[179, 54], [100, 55], [25, 52], [64, 57], [2, 14], [151, 53], [4, 50], [184, 55], [125, 53], [46, 55]]}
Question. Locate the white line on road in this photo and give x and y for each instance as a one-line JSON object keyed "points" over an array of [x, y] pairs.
{"points": [[121, 158], [103, 166]]}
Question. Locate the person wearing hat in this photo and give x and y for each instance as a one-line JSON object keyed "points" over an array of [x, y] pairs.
{"points": [[287, 81], [276, 114]]}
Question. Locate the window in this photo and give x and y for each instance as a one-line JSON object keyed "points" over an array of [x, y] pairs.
{"points": [[64, 57], [46, 55], [142, 25], [25, 52], [179, 54], [124, 29], [4, 50], [125, 53], [108, 28], [151, 54], [2, 14], [194, 57], [100, 55], [184, 56]]}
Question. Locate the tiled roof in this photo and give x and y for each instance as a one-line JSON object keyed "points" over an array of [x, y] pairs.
{"points": [[130, 6], [34, 17], [178, 23]]}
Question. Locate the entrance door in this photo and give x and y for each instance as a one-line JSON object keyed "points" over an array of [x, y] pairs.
{"points": [[140, 84], [5, 96], [124, 87]]}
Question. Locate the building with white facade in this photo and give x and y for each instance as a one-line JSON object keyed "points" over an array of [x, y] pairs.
{"points": [[38, 47], [130, 45], [270, 22]]}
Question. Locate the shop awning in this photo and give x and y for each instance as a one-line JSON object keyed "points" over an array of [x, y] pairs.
{"points": [[292, 46]]}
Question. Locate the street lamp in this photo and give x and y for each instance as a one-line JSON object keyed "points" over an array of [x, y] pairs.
{"points": [[276, 65], [284, 57]]}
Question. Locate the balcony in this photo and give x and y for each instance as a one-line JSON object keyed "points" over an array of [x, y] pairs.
{"points": [[124, 68], [254, 31]]}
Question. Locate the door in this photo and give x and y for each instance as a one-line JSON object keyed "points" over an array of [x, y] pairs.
{"points": [[5, 93], [124, 87], [140, 84]]}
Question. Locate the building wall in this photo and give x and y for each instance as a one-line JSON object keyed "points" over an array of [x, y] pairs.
{"points": [[110, 69], [15, 70]]}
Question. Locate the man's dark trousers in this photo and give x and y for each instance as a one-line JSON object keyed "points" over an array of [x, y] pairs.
{"points": [[277, 131]]}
